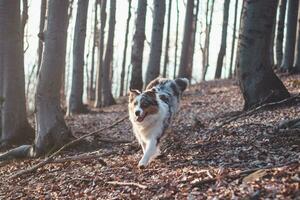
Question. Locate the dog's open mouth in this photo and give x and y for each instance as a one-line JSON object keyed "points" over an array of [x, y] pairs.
{"points": [[141, 117]]}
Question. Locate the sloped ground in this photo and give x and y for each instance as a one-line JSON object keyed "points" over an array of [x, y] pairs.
{"points": [[194, 165]]}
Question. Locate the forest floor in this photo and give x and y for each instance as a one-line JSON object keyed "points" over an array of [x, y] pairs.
{"points": [[245, 159]]}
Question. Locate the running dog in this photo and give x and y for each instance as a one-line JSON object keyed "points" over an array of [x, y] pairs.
{"points": [[152, 111]]}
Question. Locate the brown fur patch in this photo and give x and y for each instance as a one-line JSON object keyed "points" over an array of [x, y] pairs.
{"points": [[151, 110]]}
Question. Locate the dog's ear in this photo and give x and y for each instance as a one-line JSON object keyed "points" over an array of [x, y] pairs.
{"points": [[133, 93]]}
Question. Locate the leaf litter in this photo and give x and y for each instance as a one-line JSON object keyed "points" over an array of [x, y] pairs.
{"points": [[248, 158]]}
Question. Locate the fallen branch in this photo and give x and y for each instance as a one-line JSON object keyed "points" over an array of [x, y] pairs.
{"points": [[251, 112], [50, 158], [127, 184], [236, 175], [79, 157]]}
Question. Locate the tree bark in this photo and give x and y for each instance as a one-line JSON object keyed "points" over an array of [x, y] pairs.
{"points": [[15, 127], [297, 53], [91, 93], [280, 32], [108, 59], [176, 40], [233, 38], [205, 50], [52, 131], [75, 100], [98, 102], [125, 50], [258, 82], [291, 28], [136, 81], [41, 33], [184, 67], [222, 51], [153, 69], [166, 59]]}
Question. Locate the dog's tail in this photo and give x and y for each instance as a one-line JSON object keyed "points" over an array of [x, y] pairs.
{"points": [[182, 83]]}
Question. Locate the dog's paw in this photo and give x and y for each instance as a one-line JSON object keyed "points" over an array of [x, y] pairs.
{"points": [[142, 164]]}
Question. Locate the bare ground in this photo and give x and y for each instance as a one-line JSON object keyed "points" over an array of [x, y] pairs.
{"points": [[246, 159]]}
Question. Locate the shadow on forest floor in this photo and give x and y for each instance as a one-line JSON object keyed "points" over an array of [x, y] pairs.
{"points": [[248, 158]]}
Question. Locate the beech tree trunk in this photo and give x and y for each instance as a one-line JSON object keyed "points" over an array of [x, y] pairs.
{"points": [[166, 59], [98, 101], [75, 100], [153, 69], [205, 49], [233, 38], [125, 50], [108, 59], [41, 33], [297, 53], [258, 82], [280, 32], [176, 40], [184, 67], [91, 93], [52, 131], [291, 28], [222, 51], [136, 81], [14, 125]]}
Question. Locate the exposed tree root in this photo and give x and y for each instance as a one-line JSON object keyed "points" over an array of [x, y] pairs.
{"points": [[26, 152]]}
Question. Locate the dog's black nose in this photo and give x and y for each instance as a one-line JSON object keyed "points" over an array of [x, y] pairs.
{"points": [[137, 113]]}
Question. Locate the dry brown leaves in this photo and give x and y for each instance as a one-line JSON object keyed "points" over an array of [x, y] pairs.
{"points": [[194, 165]]}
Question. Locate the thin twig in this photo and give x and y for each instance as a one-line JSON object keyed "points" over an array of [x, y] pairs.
{"points": [[50, 158], [79, 158], [127, 184]]}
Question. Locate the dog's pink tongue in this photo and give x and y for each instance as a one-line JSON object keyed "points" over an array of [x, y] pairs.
{"points": [[140, 118]]}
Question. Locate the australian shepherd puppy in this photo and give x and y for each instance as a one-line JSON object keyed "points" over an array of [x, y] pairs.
{"points": [[151, 113]]}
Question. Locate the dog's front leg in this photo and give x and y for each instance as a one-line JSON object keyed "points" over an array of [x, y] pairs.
{"points": [[149, 152]]}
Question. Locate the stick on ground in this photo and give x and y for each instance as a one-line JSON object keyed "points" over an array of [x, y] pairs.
{"points": [[127, 184]]}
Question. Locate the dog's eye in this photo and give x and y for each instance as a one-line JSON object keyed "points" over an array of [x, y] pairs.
{"points": [[144, 105], [135, 103]]}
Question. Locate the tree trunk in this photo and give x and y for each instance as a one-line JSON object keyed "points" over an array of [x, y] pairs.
{"points": [[271, 48], [166, 59], [98, 102], [176, 40], [136, 81], [153, 69], [15, 127], [184, 69], [291, 28], [75, 100], [258, 82], [41, 33], [233, 38], [91, 93], [64, 88], [52, 131], [205, 50], [222, 51], [297, 53], [125, 50], [280, 32], [108, 59]]}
